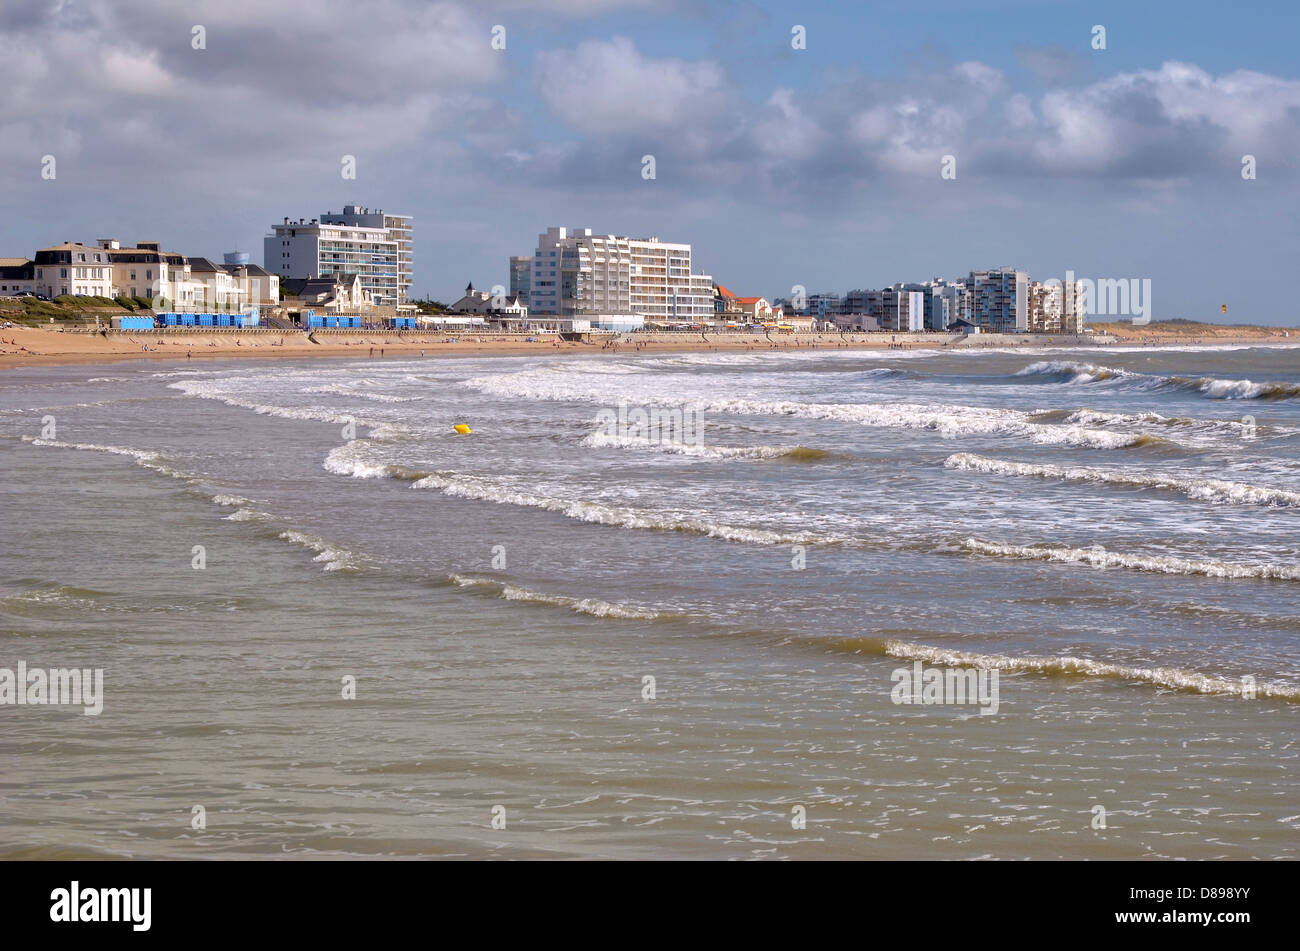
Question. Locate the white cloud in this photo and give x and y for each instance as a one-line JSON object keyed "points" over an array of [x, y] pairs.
{"points": [[608, 87]]}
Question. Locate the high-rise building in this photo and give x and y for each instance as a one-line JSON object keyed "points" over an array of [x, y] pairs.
{"points": [[576, 273], [521, 272], [375, 246], [1057, 307], [903, 308], [999, 300], [945, 303]]}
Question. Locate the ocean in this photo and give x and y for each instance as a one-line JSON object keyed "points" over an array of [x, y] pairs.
{"points": [[330, 626]]}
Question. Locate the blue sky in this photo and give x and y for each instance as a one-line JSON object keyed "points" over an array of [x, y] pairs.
{"points": [[817, 167]]}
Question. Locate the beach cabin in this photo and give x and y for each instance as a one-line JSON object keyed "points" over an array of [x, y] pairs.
{"points": [[133, 323]]}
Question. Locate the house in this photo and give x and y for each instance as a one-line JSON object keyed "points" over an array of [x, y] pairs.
{"points": [[257, 286], [725, 303], [16, 276], [220, 291], [481, 302], [336, 293], [755, 309]]}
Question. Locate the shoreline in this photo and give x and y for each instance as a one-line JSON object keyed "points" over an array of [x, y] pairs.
{"points": [[27, 346]]}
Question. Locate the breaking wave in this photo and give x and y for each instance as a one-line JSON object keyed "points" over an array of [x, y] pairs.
{"points": [[1171, 677], [342, 460], [601, 440], [1099, 557], [330, 557], [947, 420], [1210, 387], [592, 606], [470, 487], [1202, 490], [147, 458], [340, 390], [205, 390]]}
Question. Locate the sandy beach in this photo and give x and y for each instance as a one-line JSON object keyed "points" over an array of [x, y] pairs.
{"points": [[25, 346]]}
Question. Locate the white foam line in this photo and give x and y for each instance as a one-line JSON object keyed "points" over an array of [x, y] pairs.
{"points": [[592, 606], [1099, 557], [1172, 677], [1199, 489]]}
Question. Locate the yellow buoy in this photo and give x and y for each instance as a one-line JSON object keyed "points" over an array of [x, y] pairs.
{"points": [[463, 429], [1225, 308]]}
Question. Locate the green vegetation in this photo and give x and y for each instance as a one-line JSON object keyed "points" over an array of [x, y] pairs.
{"points": [[430, 306], [85, 301]]}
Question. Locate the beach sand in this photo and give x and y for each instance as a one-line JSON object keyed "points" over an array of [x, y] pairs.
{"points": [[26, 346]]}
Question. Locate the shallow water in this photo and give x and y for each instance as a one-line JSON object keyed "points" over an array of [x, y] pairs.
{"points": [[1115, 532]]}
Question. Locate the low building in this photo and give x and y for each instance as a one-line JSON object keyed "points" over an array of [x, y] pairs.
{"points": [[257, 286], [220, 291], [482, 302], [857, 322], [725, 303], [754, 309], [17, 276], [148, 272], [75, 269], [336, 294]]}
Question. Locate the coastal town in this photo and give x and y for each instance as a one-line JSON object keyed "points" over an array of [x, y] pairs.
{"points": [[354, 270]]}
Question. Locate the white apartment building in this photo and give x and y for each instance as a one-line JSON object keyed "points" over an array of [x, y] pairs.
{"points": [[1057, 307], [400, 229], [577, 273], [372, 245]]}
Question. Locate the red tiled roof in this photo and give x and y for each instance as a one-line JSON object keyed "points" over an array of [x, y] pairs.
{"points": [[723, 292], [749, 300]]}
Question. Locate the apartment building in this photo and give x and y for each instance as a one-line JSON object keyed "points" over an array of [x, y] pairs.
{"points": [[399, 227], [521, 273], [999, 300], [903, 308], [576, 273], [945, 304], [375, 246], [1056, 307]]}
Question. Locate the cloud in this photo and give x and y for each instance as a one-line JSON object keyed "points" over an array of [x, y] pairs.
{"points": [[605, 88], [1168, 122]]}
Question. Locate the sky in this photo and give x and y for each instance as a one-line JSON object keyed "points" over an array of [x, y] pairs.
{"points": [[818, 166]]}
